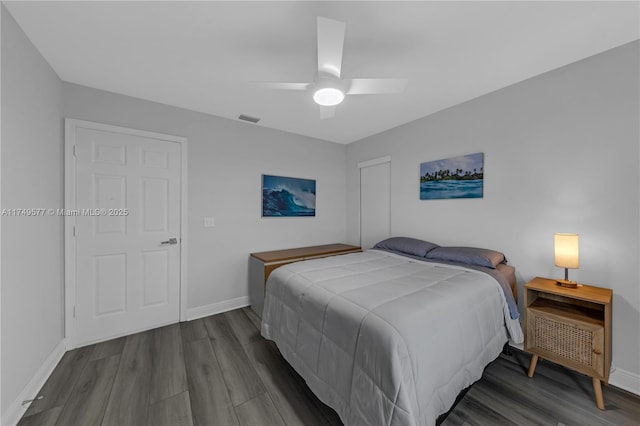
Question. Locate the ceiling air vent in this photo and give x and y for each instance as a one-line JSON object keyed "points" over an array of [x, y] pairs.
{"points": [[248, 118]]}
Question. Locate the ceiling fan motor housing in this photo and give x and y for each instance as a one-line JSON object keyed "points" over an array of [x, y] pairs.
{"points": [[328, 90]]}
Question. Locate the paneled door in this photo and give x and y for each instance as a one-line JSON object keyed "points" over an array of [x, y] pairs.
{"points": [[127, 233]]}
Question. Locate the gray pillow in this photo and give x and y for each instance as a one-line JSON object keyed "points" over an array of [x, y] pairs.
{"points": [[468, 255], [406, 245]]}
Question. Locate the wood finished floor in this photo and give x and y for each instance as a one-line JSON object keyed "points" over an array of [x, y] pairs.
{"points": [[219, 371]]}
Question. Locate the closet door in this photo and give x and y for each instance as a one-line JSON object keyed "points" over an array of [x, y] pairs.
{"points": [[375, 201]]}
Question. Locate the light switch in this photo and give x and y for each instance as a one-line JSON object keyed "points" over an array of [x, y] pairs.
{"points": [[209, 222]]}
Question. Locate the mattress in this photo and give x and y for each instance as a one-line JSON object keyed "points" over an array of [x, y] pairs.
{"points": [[385, 339]]}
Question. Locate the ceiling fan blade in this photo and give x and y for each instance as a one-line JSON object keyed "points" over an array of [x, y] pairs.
{"points": [[327, 111], [282, 86], [330, 44], [365, 86]]}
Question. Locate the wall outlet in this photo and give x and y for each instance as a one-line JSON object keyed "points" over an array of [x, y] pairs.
{"points": [[209, 222]]}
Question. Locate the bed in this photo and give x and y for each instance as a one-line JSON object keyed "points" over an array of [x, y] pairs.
{"points": [[388, 336]]}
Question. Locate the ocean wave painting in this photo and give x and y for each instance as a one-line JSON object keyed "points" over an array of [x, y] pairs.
{"points": [[287, 196], [456, 177]]}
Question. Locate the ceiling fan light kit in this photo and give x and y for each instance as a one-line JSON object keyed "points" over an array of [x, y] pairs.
{"points": [[328, 88], [328, 96]]}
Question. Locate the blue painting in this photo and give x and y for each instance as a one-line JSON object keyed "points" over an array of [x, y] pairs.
{"points": [[286, 196], [457, 177]]}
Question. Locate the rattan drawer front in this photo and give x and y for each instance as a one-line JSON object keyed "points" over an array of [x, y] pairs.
{"points": [[565, 340], [578, 345]]}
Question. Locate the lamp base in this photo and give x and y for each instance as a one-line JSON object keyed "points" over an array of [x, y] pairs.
{"points": [[567, 283]]}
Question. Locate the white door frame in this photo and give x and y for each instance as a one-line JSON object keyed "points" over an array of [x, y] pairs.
{"points": [[369, 163], [70, 175]]}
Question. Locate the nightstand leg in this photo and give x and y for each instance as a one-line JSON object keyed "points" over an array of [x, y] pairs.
{"points": [[597, 388], [532, 366]]}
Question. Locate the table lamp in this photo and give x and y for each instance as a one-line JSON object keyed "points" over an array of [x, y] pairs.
{"points": [[566, 254]]}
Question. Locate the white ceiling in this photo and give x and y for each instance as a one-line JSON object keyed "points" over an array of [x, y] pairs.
{"points": [[204, 56]]}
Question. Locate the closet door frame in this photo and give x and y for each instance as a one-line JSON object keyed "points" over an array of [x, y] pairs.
{"points": [[372, 163]]}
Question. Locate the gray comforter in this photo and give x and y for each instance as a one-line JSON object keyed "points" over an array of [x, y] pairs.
{"points": [[384, 339]]}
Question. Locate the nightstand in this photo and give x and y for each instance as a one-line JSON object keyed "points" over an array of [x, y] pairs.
{"points": [[571, 327]]}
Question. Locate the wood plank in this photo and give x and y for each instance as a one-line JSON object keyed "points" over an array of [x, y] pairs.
{"points": [[193, 330], [259, 411], [168, 374], [255, 319], [620, 405], [87, 403], [108, 348], [554, 392], [574, 314], [238, 372], [129, 400], [62, 380], [173, 411], [43, 418], [470, 411], [210, 402], [517, 407], [244, 330], [555, 395], [302, 252], [294, 400], [558, 393], [584, 292]]}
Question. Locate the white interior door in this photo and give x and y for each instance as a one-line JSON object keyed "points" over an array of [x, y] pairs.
{"points": [[375, 203], [127, 236]]}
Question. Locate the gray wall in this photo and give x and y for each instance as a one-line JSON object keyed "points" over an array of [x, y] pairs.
{"points": [[226, 161], [32, 177], [561, 155]]}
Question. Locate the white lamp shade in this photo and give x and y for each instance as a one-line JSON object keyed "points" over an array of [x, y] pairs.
{"points": [[566, 250]]}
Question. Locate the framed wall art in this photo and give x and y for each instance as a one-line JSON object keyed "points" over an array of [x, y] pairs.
{"points": [[288, 196], [456, 177]]}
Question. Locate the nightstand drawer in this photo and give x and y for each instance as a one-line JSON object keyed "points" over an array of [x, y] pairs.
{"points": [[577, 344]]}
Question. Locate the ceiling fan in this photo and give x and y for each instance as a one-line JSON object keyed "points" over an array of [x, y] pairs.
{"points": [[327, 87]]}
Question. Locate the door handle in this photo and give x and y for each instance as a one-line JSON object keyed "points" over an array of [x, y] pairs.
{"points": [[170, 241]]}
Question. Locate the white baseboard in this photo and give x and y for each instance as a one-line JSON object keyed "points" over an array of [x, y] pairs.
{"points": [[625, 380], [217, 308], [16, 410]]}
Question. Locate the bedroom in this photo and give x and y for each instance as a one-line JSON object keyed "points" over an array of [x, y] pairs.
{"points": [[561, 155]]}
